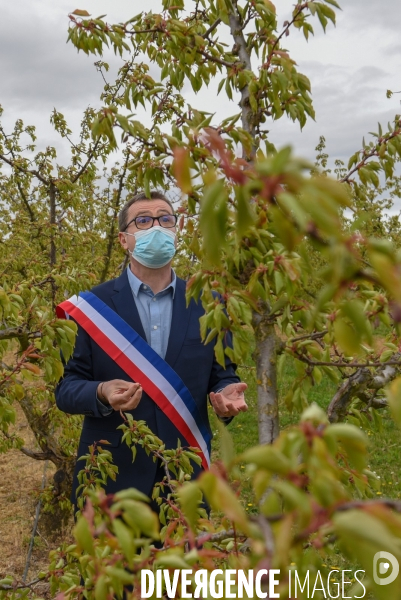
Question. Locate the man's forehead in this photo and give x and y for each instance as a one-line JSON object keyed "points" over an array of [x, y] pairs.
{"points": [[149, 206]]}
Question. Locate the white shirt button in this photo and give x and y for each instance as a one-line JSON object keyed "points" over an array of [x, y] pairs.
{"points": [[154, 299], [154, 326], [145, 287]]}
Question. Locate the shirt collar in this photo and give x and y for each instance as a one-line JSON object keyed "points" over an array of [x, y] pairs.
{"points": [[136, 283]]}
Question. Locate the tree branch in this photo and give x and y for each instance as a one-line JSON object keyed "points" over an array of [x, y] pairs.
{"points": [[219, 61], [309, 336], [31, 453], [23, 169], [212, 28], [343, 363], [301, 7], [18, 332], [373, 152], [23, 586], [355, 387]]}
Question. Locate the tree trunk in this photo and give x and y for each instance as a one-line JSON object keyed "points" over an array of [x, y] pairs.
{"points": [[52, 200], [265, 336], [265, 357], [40, 424], [113, 222], [247, 115]]}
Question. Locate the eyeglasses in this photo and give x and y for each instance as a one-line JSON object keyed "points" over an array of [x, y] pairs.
{"points": [[146, 222]]}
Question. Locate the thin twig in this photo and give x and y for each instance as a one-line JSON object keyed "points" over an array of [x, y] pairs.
{"points": [[357, 365], [4, 587], [212, 28], [373, 152], [311, 336], [301, 7], [219, 61]]}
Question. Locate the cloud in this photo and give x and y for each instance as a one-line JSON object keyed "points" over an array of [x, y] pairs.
{"points": [[350, 69], [40, 71], [370, 14], [348, 103]]}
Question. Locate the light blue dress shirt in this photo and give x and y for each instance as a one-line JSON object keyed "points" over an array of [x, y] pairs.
{"points": [[155, 312]]}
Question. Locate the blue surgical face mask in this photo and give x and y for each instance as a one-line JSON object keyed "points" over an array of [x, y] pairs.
{"points": [[154, 247]]}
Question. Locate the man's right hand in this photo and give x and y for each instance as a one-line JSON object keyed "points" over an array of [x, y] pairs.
{"points": [[119, 394]]}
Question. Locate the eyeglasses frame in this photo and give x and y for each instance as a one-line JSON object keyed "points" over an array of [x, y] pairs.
{"points": [[154, 219]]}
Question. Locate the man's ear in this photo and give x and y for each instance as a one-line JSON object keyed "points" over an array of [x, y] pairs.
{"points": [[123, 240]]}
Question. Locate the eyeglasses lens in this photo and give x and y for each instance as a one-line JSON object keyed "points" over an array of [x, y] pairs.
{"points": [[146, 222]]}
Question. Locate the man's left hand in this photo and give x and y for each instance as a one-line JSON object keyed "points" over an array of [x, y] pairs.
{"points": [[230, 400]]}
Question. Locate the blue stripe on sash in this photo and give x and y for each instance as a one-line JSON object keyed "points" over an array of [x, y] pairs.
{"points": [[147, 351]]}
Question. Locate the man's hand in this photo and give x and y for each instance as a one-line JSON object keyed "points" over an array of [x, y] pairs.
{"points": [[120, 394], [230, 401]]}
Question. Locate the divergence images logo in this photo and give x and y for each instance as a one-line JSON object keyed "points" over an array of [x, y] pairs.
{"points": [[381, 565]]}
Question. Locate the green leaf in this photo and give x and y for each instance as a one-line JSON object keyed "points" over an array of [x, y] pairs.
{"points": [[101, 588], [170, 560], [354, 310], [126, 540], [213, 220], [245, 216], [131, 494], [181, 169], [393, 393], [221, 498], [347, 337], [83, 536], [362, 535], [226, 445], [352, 439], [190, 497], [81, 13], [267, 457], [219, 351], [140, 516]]}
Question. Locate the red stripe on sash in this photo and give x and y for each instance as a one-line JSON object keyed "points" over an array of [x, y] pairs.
{"points": [[132, 370]]}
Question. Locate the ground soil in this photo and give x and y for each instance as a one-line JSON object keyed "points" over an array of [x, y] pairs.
{"points": [[20, 484]]}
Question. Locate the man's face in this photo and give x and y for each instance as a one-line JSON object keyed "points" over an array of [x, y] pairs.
{"points": [[150, 208]]}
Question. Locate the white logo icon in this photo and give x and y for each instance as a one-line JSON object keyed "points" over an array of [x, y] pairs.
{"points": [[383, 567]]}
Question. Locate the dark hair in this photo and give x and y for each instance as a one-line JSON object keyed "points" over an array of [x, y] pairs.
{"points": [[123, 215]]}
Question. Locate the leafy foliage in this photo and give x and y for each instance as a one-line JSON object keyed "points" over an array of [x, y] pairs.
{"points": [[256, 234], [314, 491], [58, 229], [257, 226]]}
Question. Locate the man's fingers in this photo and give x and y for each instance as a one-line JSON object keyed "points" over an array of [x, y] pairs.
{"points": [[121, 385], [218, 402], [234, 389], [131, 405], [127, 393], [221, 408], [225, 407], [117, 387], [126, 399], [241, 387]]}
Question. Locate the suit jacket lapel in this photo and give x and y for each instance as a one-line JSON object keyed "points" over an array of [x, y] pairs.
{"points": [[179, 323], [125, 306]]}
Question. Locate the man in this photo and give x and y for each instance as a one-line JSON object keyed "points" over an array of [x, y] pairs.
{"points": [[150, 299]]}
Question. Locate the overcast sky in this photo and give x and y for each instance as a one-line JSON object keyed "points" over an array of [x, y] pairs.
{"points": [[350, 69]]}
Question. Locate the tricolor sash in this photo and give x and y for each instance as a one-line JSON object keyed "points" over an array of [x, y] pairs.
{"points": [[142, 364]]}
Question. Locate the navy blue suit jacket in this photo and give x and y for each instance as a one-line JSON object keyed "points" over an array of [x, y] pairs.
{"points": [[186, 354]]}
